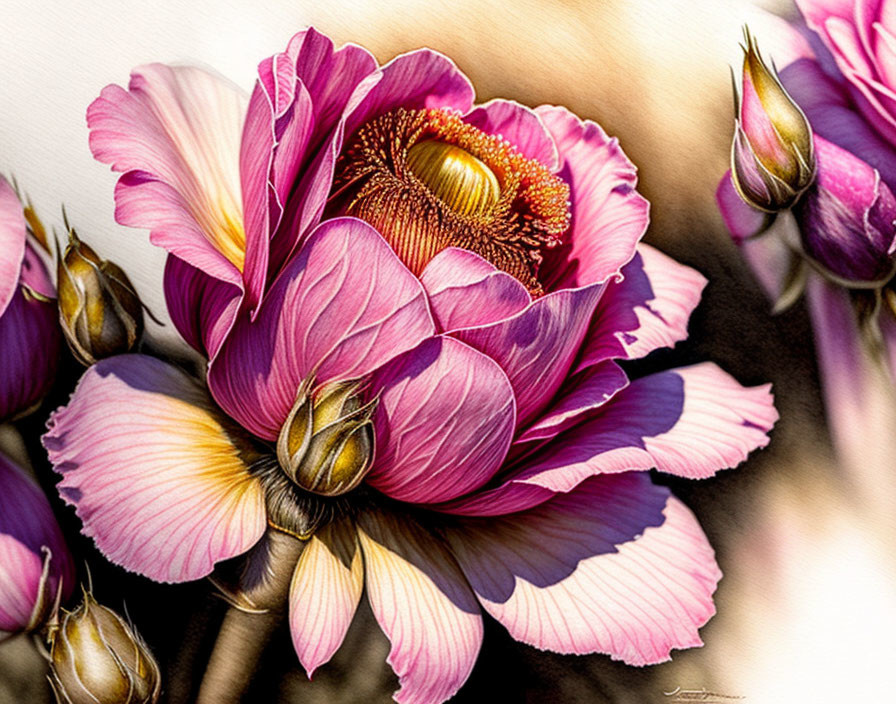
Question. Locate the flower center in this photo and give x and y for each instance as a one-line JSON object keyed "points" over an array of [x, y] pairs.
{"points": [[427, 181]]}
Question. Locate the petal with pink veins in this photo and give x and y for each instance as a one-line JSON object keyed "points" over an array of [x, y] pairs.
{"points": [[609, 216], [465, 290], [618, 566], [12, 242], [152, 471], [175, 136], [443, 424], [520, 126], [424, 605], [344, 306], [324, 594]]}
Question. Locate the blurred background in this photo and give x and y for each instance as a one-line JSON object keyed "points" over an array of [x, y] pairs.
{"points": [[807, 608]]}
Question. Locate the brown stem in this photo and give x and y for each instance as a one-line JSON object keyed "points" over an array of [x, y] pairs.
{"points": [[244, 635]]}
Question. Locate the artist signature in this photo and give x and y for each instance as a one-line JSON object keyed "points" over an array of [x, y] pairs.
{"points": [[680, 694]]}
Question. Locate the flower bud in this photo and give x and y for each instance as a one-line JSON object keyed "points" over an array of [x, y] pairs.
{"points": [[100, 313], [326, 443], [772, 155], [96, 658]]}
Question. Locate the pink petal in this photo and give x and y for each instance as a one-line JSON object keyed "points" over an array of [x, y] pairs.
{"points": [[342, 307], [465, 290], [28, 529], [520, 126], [154, 475], [175, 136], [12, 242], [29, 341], [621, 568], [537, 347], [423, 604], [609, 216], [648, 309], [444, 422], [743, 221], [325, 591]]}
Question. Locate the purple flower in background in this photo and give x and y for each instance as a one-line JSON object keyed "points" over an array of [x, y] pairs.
{"points": [[29, 332], [34, 560], [436, 374]]}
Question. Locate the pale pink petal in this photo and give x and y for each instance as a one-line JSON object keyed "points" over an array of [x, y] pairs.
{"points": [[155, 476], [28, 535], [12, 242], [465, 290], [537, 347], [520, 126], [423, 604], [621, 567], [609, 216], [443, 424], [175, 136], [325, 591], [342, 307]]}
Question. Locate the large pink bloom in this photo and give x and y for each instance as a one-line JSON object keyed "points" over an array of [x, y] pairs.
{"points": [[511, 448], [29, 333]]}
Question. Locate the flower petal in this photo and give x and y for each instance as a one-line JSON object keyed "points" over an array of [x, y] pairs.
{"points": [[520, 126], [154, 475], [743, 221], [175, 136], [423, 604], [12, 242], [465, 290], [342, 307], [324, 594], [609, 216], [537, 347], [621, 567], [444, 422]]}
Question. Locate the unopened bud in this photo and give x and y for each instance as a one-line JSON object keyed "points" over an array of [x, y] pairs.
{"points": [[97, 658], [326, 443], [772, 156], [99, 311]]}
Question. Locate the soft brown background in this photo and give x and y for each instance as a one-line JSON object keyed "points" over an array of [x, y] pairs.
{"points": [[807, 608]]}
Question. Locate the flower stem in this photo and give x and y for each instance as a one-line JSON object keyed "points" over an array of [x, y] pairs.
{"points": [[244, 634]]}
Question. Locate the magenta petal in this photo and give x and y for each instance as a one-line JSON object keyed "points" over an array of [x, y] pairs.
{"points": [[444, 422], [341, 308], [465, 290], [202, 308], [29, 534], [609, 216], [29, 341], [536, 348], [621, 567], [151, 471], [12, 242], [423, 604], [175, 136], [520, 126]]}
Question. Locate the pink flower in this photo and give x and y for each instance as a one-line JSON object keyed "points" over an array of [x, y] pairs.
{"points": [[33, 557], [467, 378], [29, 334]]}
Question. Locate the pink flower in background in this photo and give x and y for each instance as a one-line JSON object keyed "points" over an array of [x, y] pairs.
{"points": [[29, 333], [441, 379], [33, 556]]}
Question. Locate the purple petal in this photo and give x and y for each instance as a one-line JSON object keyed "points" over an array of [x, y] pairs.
{"points": [[423, 604], [537, 347], [743, 221], [152, 472], [520, 126], [609, 216], [621, 568], [465, 290], [444, 422], [12, 242], [175, 136], [341, 308], [324, 594], [28, 534]]}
